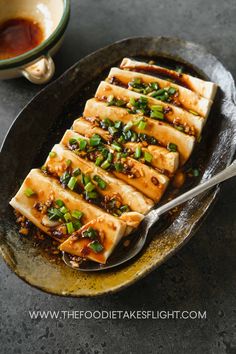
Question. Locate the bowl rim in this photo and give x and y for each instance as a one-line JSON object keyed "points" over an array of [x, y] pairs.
{"points": [[42, 48]]}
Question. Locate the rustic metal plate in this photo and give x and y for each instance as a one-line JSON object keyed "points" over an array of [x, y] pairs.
{"points": [[41, 124]]}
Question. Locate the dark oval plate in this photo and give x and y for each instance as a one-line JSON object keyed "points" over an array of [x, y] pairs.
{"points": [[41, 124]]}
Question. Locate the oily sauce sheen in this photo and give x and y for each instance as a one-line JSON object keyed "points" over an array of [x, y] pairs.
{"points": [[17, 36]]}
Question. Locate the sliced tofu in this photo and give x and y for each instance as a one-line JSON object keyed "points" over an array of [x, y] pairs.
{"points": [[175, 115], [162, 131], [206, 89], [79, 246], [147, 180], [46, 190], [126, 194], [187, 99], [163, 159]]}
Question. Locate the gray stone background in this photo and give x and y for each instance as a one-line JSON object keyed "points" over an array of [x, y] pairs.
{"points": [[202, 276]]}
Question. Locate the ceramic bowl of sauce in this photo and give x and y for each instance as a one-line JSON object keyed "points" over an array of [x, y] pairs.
{"points": [[31, 31]]}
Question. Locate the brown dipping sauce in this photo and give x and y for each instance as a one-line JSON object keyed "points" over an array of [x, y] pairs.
{"points": [[19, 35]]}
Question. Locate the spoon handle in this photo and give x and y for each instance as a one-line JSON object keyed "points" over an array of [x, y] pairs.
{"points": [[227, 173]]}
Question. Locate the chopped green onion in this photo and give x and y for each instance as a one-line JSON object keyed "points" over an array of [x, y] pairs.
{"points": [[60, 203], [132, 101], [52, 154], [118, 124], [160, 92], [64, 179], [90, 233], [154, 86], [105, 165], [157, 107], [172, 147], [193, 112], [77, 224], [99, 160], [73, 141], [91, 195], [95, 140], [77, 214], [29, 192], [172, 90], [82, 144], [120, 103], [179, 127], [89, 187], [124, 208], [85, 179], [101, 183], [116, 146], [128, 126], [67, 217], [110, 157], [147, 156], [179, 69], [63, 209], [96, 246], [138, 152], [68, 162], [70, 227], [118, 167], [112, 130], [142, 125], [54, 214], [110, 100], [76, 172], [157, 115], [72, 183]]}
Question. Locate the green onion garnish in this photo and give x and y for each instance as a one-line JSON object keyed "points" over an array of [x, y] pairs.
{"points": [[157, 107], [91, 195], [77, 214], [96, 246], [54, 214], [172, 147], [90, 233], [128, 126], [72, 183], [52, 154], [172, 90], [63, 209], [138, 152], [105, 165], [118, 167], [193, 112], [142, 125], [112, 130], [157, 114], [82, 144], [101, 183], [116, 146], [73, 141], [124, 208], [29, 192], [67, 217], [70, 227], [60, 203], [76, 172], [196, 172], [95, 140], [147, 156], [89, 187], [77, 225], [68, 162], [98, 161]]}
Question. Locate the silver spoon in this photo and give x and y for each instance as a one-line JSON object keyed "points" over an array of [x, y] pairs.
{"points": [[151, 219]]}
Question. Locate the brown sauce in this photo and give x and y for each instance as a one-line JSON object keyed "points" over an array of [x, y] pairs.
{"points": [[19, 35]]}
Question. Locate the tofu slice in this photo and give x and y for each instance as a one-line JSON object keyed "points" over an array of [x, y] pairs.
{"points": [[188, 99], [148, 181], [206, 89], [162, 131], [125, 193], [47, 189], [192, 123]]}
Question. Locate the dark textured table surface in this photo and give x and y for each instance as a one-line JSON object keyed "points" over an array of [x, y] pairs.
{"points": [[202, 276]]}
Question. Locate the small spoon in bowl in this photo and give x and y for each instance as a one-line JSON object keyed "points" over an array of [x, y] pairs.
{"points": [[151, 218]]}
